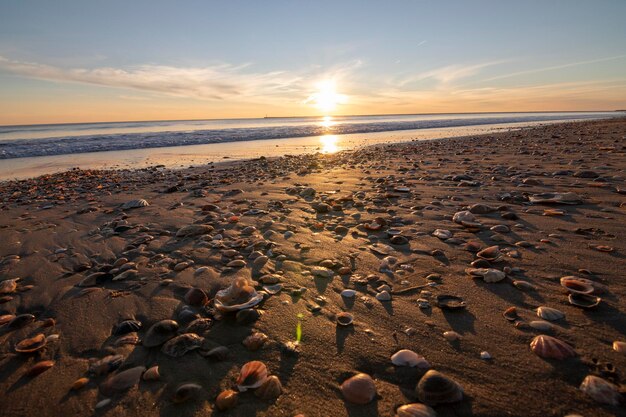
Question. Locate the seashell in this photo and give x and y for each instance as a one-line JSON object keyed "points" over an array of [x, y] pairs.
{"points": [[442, 234], [39, 368], [238, 296], [79, 383], [134, 204], [541, 325], [436, 388], [107, 364], [127, 326], [549, 347], [348, 293], [255, 341], [127, 339], [487, 274], [383, 296], [226, 400], [8, 286], [320, 271], [524, 285], [492, 254], [409, 358], [152, 374], [576, 286], [360, 389], [273, 289], [247, 316], [555, 198], [344, 319], [601, 390], [194, 230], [160, 332], [466, 218], [186, 315], [485, 355], [103, 403], [584, 300], [122, 381], [549, 313], [199, 326], [451, 336], [49, 322], [32, 344], [185, 392], [182, 344], [415, 410], [269, 389], [450, 302], [511, 314], [252, 375], [196, 297], [619, 346], [5, 318], [219, 353], [20, 321]]}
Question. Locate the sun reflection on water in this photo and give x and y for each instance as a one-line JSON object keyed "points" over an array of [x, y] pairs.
{"points": [[329, 143], [327, 121]]}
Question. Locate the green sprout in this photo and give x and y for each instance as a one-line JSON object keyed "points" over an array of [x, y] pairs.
{"points": [[299, 328]]}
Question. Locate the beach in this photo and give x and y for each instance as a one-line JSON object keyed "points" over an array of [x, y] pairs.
{"points": [[435, 242]]}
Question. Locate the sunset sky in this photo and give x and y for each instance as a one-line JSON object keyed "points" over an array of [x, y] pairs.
{"points": [[77, 61]]}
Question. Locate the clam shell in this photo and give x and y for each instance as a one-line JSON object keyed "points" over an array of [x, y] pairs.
{"points": [[199, 326], [252, 375], [492, 254], [436, 388], [344, 319], [549, 313], [576, 286], [360, 389], [20, 321], [196, 297], [152, 374], [601, 390], [524, 285], [79, 383], [269, 389], [31, 344], [181, 344], [107, 364], [584, 300], [450, 302], [348, 293], [466, 218], [511, 314], [185, 392], [226, 400], [451, 336], [407, 357], [487, 274], [122, 381], [238, 296], [38, 368], [273, 289], [134, 204], [127, 339], [619, 346], [8, 286], [442, 234], [541, 325], [415, 410], [219, 353], [549, 347], [160, 332], [126, 326]]}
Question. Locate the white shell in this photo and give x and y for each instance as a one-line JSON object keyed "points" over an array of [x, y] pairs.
{"points": [[383, 296], [451, 336], [541, 325], [348, 293], [600, 390], [488, 274], [442, 234], [134, 204], [409, 358], [619, 346], [485, 355], [415, 410], [549, 313]]}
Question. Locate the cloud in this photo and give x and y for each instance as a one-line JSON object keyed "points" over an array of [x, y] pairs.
{"points": [[449, 74]]}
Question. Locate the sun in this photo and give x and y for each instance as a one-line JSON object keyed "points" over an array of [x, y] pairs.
{"points": [[326, 97]]}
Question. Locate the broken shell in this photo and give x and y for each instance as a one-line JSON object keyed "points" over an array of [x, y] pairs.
{"points": [[492, 254], [186, 392], [549, 313], [450, 302], [487, 274], [181, 344], [601, 390], [122, 381], [31, 344], [511, 314], [273, 289], [584, 300], [152, 374], [271, 388], [127, 339], [407, 357], [576, 286], [360, 389], [436, 388], [344, 319], [79, 383], [549, 347], [255, 341], [252, 375], [415, 410], [38, 368], [226, 400]]}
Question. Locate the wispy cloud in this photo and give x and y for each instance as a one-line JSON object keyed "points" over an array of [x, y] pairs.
{"points": [[449, 74]]}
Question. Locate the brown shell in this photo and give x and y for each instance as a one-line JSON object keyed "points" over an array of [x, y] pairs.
{"points": [[271, 388], [415, 410], [31, 344], [196, 297], [122, 381], [549, 347], [436, 388], [39, 367], [255, 341], [601, 390], [186, 392], [253, 374], [492, 253], [160, 332], [79, 383], [360, 389], [182, 344], [226, 400], [152, 374]]}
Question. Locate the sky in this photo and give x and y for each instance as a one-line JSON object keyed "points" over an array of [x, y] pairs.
{"points": [[88, 61]]}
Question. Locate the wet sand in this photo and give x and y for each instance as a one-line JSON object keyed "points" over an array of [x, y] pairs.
{"points": [[319, 224]]}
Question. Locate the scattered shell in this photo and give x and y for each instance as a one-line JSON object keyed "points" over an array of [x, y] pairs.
{"points": [[415, 410], [199, 326], [451, 336], [134, 204], [360, 389], [8, 286], [487, 274], [348, 293], [107, 364], [127, 326], [271, 388], [574, 285], [20, 321], [255, 341], [383, 296], [549, 347], [252, 375], [103, 403], [181, 344], [152, 374], [485, 355], [492, 254], [31, 344], [450, 302], [273, 289], [196, 297], [601, 390], [185, 392], [541, 325], [555, 198], [409, 358], [79, 383], [584, 300], [226, 400], [442, 234], [466, 218], [160, 332], [38, 368], [619, 346], [320, 271], [122, 381], [344, 318], [549, 313], [524, 285], [194, 230], [238, 296], [247, 316], [127, 339], [219, 353], [436, 388], [511, 314]]}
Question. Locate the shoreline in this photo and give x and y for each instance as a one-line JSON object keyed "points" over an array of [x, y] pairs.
{"points": [[319, 224]]}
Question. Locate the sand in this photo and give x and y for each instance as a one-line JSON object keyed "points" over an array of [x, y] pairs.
{"points": [[59, 229]]}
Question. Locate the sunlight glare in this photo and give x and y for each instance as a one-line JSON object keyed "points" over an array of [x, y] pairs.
{"points": [[326, 98], [329, 143], [327, 121]]}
